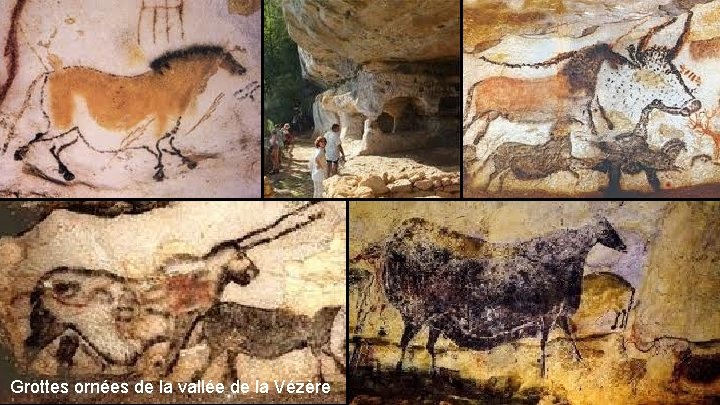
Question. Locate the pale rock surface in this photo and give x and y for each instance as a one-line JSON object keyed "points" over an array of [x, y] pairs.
{"points": [[390, 70], [302, 272], [533, 32], [117, 37]]}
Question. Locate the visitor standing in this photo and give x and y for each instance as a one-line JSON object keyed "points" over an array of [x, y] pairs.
{"points": [[333, 151], [317, 166]]}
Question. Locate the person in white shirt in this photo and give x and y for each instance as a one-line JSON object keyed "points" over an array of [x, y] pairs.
{"points": [[318, 167], [333, 151]]}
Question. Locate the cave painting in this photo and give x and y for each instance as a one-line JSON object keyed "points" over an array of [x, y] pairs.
{"points": [[164, 16], [622, 76], [232, 328], [117, 319], [138, 105], [532, 302], [485, 294], [168, 89]]}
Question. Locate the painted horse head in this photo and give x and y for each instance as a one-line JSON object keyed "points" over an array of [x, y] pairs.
{"points": [[649, 75], [208, 53], [607, 236]]}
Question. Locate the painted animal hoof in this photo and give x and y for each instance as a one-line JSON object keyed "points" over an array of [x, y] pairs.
{"points": [[20, 153], [159, 175], [68, 176], [191, 164]]}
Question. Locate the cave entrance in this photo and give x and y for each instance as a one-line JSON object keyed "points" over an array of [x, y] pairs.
{"points": [[386, 122], [403, 114]]}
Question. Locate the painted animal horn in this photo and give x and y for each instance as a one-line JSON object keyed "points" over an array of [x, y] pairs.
{"points": [[673, 52], [296, 219], [645, 41]]}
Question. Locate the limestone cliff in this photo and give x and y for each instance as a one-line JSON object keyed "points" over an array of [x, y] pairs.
{"points": [[390, 69]]}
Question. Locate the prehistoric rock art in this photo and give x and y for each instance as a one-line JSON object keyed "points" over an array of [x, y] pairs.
{"points": [[485, 294], [165, 284], [468, 297], [248, 91], [603, 288], [119, 318], [577, 81], [528, 162], [395, 93], [84, 115], [704, 124], [528, 67], [11, 50], [169, 15], [175, 81], [231, 328], [631, 154]]}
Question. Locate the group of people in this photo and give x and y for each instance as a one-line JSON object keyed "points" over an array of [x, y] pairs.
{"points": [[281, 139], [326, 159]]}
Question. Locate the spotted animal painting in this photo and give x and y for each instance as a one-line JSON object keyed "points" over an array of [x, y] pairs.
{"points": [[130, 98], [611, 68], [195, 291], [532, 302]]}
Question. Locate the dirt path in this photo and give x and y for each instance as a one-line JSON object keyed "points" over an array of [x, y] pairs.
{"points": [[294, 177]]}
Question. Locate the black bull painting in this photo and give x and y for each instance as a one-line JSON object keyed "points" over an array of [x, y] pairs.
{"points": [[481, 294]]}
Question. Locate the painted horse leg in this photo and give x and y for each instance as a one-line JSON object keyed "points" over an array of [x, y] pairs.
{"points": [[62, 169], [22, 151], [160, 172], [614, 173], [653, 179], [232, 366], [191, 164]]}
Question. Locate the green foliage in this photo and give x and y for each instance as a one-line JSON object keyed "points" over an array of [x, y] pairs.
{"points": [[282, 79], [269, 125]]}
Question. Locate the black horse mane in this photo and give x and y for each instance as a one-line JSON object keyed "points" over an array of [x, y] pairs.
{"points": [[194, 51]]}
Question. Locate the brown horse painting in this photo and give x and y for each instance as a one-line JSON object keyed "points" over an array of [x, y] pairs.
{"points": [[125, 103]]}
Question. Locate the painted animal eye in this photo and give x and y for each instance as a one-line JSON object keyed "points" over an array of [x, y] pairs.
{"points": [[66, 288]]}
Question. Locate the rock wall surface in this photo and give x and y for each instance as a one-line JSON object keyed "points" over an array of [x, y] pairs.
{"points": [[646, 325], [390, 69], [131, 285], [593, 96], [104, 81]]}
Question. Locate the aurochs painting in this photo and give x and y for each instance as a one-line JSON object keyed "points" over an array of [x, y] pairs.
{"points": [[584, 99], [129, 98], [542, 302], [175, 291]]}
